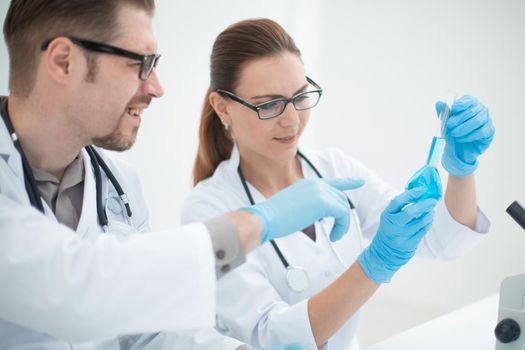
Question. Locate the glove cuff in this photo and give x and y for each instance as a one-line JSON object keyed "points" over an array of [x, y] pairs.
{"points": [[258, 212], [373, 266], [455, 166]]}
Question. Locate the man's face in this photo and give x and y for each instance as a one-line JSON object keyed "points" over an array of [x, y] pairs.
{"points": [[110, 103]]}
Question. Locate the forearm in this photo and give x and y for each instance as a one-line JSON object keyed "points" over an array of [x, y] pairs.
{"points": [[56, 256], [460, 199], [332, 307]]}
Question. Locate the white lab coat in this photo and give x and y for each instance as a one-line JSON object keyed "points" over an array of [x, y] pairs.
{"points": [[62, 289], [201, 339], [254, 303]]}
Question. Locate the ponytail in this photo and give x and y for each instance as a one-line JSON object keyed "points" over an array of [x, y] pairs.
{"points": [[215, 143]]}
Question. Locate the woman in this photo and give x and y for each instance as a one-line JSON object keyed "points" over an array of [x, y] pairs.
{"points": [[306, 288]]}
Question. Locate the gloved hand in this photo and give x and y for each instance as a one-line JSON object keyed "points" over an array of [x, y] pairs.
{"points": [[303, 203], [404, 222], [468, 133]]}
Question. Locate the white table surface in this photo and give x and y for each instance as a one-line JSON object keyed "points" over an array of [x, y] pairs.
{"points": [[471, 327]]}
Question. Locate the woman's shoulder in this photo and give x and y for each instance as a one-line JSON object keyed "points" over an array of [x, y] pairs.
{"points": [[223, 181], [213, 196]]}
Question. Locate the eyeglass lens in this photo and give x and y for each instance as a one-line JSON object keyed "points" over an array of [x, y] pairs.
{"points": [[300, 102]]}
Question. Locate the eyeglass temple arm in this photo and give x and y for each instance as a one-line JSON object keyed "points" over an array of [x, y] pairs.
{"points": [[238, 99], [309, 80]]}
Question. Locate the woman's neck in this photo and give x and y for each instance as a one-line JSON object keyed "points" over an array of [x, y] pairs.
{"points": [[269, 176]]}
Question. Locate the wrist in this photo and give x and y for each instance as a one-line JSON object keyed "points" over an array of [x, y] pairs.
{"points": [[455, 166], [249, 227], [371, 269], [256, 212], [376, 264]]}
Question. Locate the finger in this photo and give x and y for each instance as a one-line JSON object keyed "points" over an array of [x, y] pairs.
{"points": [[419, 234], [424, 219], [440, 107], [416, 211], [409, 230], [463, 103], [341, 225], [338, 208], [469, 125], [483, 134], [345, 183], [407, 197], [459, 118], [340, 198]]}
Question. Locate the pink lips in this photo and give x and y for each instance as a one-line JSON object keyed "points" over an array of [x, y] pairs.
{"points": [[286, 140]]}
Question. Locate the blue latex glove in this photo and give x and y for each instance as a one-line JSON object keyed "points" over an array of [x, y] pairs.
{"points": [[303, 203], [404, 222], [468, 133]]}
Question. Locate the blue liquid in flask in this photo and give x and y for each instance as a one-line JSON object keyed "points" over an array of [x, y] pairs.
{"points": [[428, 176]]}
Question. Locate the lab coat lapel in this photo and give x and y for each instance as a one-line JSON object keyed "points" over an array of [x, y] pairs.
{"points": [[10, 153]]}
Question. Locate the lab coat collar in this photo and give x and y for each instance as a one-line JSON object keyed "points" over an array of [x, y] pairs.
{"points": [[227, 171], [231, 165], [233, 162], [6, 145], [8, 150]]}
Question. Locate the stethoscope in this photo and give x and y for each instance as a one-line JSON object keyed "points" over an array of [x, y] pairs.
{"points": [[97, 162], [297, 277]]}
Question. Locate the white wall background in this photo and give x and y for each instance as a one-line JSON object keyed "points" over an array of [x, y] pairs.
{"points": [[382, 65]]}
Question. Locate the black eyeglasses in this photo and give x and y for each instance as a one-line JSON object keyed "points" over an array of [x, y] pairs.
{"points": [[147, 62], [274, 108]]}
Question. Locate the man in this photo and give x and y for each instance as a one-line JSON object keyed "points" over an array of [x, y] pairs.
{"points": [[73, 269]]}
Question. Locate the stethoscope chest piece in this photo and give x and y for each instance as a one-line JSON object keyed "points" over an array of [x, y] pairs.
{"points": [[297, 278], [114, 208], [114, 204]]}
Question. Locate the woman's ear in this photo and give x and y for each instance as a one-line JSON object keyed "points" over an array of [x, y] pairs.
{"points": [[218, 103]]}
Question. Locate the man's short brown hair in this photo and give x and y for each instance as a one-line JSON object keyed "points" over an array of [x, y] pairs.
{"points": [[30, 22]]}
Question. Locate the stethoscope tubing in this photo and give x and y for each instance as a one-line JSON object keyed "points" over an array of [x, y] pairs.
{"points": [[35, 197]]}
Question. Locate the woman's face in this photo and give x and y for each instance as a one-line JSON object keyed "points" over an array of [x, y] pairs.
{"points": [[262, 80]]}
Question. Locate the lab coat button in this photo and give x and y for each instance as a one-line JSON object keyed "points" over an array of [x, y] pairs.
{"points": [[225, 268], [220, 254]]}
